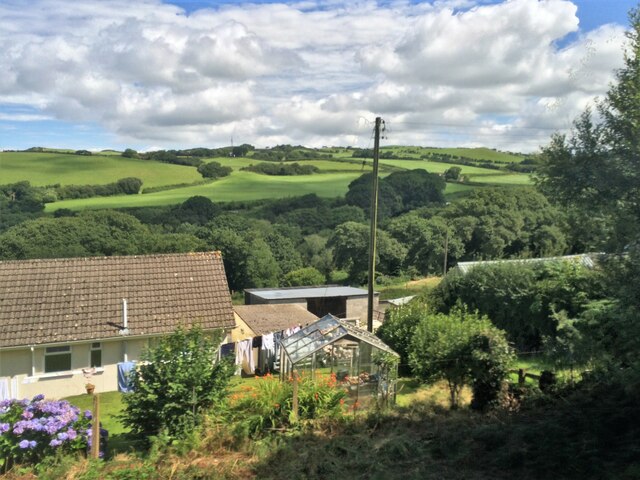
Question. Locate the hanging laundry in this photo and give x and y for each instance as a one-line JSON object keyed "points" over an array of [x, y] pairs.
{"points": [[244, 355], [14, 388], [5, 393], [124, 376], [277, 337], [267, 353], [257, 342]]}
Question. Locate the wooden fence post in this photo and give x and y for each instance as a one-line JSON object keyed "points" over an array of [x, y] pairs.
{"points": [[295, 396], [95, 428]]}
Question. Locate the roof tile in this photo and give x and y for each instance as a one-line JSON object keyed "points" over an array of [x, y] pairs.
{"points": [[60, 300]]}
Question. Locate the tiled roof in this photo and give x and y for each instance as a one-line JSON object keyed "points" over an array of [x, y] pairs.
{"points": [[264, 319], [73, 299]]}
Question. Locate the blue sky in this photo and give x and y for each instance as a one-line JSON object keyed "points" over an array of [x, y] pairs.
{"points": [[592, 13], [152, 74]]}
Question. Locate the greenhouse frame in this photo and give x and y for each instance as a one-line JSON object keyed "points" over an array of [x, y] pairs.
{"points": [[362, 363]]}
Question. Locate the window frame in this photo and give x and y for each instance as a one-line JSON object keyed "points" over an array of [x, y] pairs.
{"points": [[57, 351], [95, 347]]}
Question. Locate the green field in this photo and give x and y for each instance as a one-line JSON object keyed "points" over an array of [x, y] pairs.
{"points": [[436, 167], [502, 178], [478, 154], [337, 165], [50, 168], [471, 153], [239, 186]]}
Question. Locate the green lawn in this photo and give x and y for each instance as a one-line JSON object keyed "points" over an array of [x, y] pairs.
{"points": [[110, 406], [51, 168]]}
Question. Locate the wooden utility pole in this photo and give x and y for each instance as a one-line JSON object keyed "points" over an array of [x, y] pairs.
{"points": [[374, 223]]}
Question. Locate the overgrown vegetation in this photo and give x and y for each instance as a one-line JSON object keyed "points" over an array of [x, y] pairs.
{"points": [[282, 168], [175, 384]]}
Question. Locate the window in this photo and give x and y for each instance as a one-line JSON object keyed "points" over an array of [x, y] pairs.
{"points": [[96, 355], [57, 359]]}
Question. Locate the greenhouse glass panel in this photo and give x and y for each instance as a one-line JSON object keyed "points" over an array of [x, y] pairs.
{"points": [[352, 355]]}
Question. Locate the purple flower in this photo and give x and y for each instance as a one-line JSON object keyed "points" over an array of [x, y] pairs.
{"points": [[24, 444], [88, 414], [38, 398], [27, 415], [63, 436], [71, 434], [55, 443], [4, 427], [32, 444]]}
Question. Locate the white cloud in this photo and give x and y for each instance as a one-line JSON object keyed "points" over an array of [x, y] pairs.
{"points": [[451, 72]]}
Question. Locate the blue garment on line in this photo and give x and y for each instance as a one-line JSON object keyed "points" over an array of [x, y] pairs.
{"points": [[124, 379]]}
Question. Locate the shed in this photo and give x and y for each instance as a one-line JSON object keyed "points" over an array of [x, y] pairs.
{"points": [[340, 301]]}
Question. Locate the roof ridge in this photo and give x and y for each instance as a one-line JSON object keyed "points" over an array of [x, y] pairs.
{"points": [[211, 253]]}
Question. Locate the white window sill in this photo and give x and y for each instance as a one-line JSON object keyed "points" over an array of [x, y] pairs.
{"points": [[66, 373]]}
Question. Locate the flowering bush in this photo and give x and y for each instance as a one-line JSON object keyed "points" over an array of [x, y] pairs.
{"points": [[268, 404], [33, 429]]}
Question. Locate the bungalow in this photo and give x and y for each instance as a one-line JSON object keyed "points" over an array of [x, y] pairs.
{"points": [[60, 316]]}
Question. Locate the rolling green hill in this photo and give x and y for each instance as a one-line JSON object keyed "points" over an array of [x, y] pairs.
{"points": [[47, 168], [42, 168]]}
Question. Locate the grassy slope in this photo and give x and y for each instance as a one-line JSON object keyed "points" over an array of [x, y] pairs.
{"points": [[238, 186], [478, 154], [50, 168], [335, 176], [323, 165], [472, 153]]}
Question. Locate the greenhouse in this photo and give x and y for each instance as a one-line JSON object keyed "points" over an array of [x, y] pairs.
{"points": [[362, 363]]}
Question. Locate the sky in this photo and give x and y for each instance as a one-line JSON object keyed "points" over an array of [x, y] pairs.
{"points": [[153, 74]]}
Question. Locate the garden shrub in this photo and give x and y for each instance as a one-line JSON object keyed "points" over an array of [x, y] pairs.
{"points": [[177, 381], [31, 430], [462, 348], [268, 404], [399, 327]]}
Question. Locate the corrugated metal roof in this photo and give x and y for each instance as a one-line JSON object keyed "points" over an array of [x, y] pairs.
{"points": [[306, 292], [401, 301], [586, 260]]}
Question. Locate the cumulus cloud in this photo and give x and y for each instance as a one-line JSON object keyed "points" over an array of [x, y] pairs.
{"points": [[446, 72]]}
